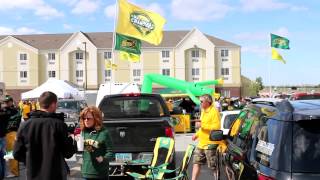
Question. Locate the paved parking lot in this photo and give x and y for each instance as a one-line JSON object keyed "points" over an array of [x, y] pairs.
{"points": [[182, 141]]}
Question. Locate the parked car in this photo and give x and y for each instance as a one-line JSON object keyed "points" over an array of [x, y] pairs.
{"points": [[274, 139], [227, 118], [71, 109], [304, 96], [134, 122]]}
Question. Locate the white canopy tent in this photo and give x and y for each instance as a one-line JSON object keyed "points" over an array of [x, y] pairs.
{"points": [[59, 87]]}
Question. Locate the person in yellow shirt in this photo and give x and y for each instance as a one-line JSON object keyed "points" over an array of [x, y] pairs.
{"points": [[206, 149], [26, 109]]}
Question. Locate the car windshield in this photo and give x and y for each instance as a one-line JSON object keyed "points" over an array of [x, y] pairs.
{"points": [[306, 146], [131, 107], [68, 105]]}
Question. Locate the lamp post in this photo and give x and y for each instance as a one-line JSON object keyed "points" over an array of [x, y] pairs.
{"points": [[85, 65]]}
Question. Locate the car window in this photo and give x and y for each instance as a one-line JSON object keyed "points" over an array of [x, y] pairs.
{"points": [[272, 143], [229, 120], [234, 129], [132, 107], [306, 146], [68, 105]]}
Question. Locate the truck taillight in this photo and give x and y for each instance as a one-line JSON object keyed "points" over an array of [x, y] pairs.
{"points": [[169, 131], [264, 177]]}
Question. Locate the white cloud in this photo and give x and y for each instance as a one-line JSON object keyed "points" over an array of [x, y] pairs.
{"points": [[282, 31], [154, 7], [260, 50], [67, 26], [20, 30], [200, 10], [39, 7], [86, 7], [261, 36], [110, 10], [267, 5]]}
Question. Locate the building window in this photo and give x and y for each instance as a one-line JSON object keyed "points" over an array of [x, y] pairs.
{"points": [[23, 74], [136, 72], [224, 71], [51, 58], [107, 55], [79, 73], [195, 72], [224, 53], [226, 93], [166, 72], [195, 53], [52, 74], [107, 75], [23, 57], [165, 54], [224, 59], [79, 55]]}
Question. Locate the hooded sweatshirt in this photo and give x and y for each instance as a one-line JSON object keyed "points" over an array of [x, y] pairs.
{"points": [[43, 143]]}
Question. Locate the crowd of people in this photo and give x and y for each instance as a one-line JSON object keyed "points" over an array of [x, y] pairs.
{"points": [[42, 142]]}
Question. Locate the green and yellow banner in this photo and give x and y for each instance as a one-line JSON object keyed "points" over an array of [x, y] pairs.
{"points": [[129, 56], [127, 44], [277, 56], [279, 42], [136, 22]]}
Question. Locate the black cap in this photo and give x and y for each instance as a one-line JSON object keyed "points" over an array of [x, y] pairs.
{"points": [[8, 98]]}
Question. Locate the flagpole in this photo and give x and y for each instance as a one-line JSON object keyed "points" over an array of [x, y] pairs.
{"points": [[113, 42], [270, 88]]}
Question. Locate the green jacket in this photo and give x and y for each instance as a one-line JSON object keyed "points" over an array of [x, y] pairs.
{"points": [[96, 143]]}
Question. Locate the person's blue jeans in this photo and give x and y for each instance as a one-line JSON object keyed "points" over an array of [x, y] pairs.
{"points": [[2, 161]]}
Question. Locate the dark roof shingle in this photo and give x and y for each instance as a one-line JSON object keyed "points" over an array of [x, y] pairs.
{"points": [[104, 40]]}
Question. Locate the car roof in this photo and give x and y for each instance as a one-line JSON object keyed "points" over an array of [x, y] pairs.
{"points": [[64, 100], [290, 110], [231, 112]]}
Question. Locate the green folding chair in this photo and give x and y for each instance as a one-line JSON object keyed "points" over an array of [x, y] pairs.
{"points": [[182, 170], [162, 155]]}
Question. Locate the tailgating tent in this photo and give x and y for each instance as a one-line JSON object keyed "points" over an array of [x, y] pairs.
{"points": [[59, 87]]}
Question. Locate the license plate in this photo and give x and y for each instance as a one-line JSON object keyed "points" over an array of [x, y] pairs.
{"points": [[123, 157]]}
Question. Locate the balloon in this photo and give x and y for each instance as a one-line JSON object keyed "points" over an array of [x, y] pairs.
{"points": [[191, 88]]}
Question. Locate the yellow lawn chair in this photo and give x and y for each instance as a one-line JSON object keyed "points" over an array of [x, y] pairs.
{"points": [[182, 170], [162, 156]]}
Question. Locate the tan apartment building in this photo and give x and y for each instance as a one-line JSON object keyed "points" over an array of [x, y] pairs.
{"points": [[27, 61]]}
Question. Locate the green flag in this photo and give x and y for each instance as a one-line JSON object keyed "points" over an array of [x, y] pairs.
{"points": [[279, 42], [128, 44]]}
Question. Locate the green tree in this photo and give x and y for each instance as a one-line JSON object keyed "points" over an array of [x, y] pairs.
{"points": [[259, 84]]}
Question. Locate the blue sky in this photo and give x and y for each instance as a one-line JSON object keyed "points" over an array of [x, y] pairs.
{"points": [[247, 23]]}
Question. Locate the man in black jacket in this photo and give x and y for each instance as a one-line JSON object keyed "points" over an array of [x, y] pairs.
{"points": [[43, 142]]}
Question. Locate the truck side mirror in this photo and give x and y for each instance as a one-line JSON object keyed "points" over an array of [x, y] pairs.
{"points": [[216, 135]]}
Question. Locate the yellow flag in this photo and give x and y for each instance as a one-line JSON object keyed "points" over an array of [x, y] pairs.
{"points": [[129, 56], [277, 56], [109, 65], [138, 23]]}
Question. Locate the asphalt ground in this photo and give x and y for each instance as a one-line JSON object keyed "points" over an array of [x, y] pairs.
{"points": [[181, 143]]}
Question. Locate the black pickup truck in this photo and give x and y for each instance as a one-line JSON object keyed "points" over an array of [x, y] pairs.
{"points": [[134, 122]]}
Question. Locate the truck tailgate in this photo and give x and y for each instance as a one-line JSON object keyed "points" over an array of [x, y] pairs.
{"points": [[135, 135]]}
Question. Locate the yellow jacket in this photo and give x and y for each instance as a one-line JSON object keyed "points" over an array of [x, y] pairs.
{"points": [[210, 120]]}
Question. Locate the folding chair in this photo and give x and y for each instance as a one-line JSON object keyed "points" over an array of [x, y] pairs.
{"points": [[182, 171], [162, 155]]}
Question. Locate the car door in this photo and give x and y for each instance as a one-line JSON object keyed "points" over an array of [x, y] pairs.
{"points": [[239, 146]]}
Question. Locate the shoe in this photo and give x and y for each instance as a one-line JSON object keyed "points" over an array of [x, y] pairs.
{"points": [[11, 176]]}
